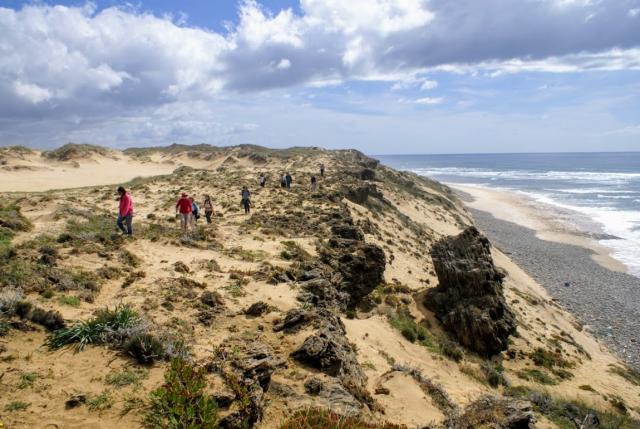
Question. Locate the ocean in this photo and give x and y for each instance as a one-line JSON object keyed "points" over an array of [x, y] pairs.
{"points": [[599, 193]]}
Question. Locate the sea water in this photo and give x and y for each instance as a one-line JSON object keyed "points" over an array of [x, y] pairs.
{"points": [[601, 187]]}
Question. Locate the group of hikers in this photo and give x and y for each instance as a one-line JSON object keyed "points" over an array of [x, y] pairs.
{"points": [[188, 210]]}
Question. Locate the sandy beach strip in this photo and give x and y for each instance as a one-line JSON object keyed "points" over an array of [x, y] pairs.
{"points": [[601, 294]]}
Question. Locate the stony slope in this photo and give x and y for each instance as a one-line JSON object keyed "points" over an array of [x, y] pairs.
{"points": [[315, 299]]}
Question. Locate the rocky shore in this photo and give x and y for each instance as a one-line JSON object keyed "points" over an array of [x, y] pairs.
{"points": [[607, 302]]}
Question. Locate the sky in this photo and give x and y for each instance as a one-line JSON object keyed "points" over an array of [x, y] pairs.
{"points": [[381, 76]]}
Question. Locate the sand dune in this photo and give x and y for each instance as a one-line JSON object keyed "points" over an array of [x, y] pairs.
{"points": [[173, 279]]}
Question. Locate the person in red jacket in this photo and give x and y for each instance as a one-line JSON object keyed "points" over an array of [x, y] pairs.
{"points": [[125, 213], [184, 208]]}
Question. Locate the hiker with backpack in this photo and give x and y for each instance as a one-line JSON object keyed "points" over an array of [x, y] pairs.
{"points": [[288, 179], [195, 211], [246, 200], [321, 170], [314, 184], [283, 181], [262, 180], [184, 209], [125, 212]]}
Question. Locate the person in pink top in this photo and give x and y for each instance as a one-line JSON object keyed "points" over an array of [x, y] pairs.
{"points": [[125, 213], [184, 208]]}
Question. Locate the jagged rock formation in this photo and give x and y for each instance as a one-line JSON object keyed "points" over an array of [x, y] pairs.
{"points": [[347, 271], [360, 265], [469, 300], [247, 368]]}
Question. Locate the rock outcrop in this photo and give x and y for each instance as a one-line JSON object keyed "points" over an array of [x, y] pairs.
{"points": [[247, 368], [469, 300], [360, 265]]}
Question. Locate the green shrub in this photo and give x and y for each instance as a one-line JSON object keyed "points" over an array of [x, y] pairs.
{"points": [[182, 403], [409, 334], [452, 350]]}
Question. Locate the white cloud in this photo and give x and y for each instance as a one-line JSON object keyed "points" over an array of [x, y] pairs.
{"points": [[30, 92], [88, 66], [428, 84], [284, 64], [429, 101], [368, 16]]}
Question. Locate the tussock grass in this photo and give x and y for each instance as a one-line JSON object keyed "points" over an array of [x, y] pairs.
{"points": [[95, 330], [319, 418]]}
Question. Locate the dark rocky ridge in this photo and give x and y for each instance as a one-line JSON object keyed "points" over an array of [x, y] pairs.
{"points": [[469, 299]]}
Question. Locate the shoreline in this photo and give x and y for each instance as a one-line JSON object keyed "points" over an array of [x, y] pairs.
{"points": [[605, 300], [512, 207]]}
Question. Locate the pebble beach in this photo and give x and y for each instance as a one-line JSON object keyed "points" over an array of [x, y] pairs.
{"points": [[605, 301]]}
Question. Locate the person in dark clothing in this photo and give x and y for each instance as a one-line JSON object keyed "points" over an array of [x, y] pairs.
{"points": [[195, 211], [288, 179], [314, 184], [283, 181], [246, 200], [321, 170], [125, 212], [262, 180], [208, 208]]}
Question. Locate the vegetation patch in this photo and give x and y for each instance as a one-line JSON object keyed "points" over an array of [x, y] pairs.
{"points": [[126, 377], [27, 379], [16, 406], [100, 402], [572, 414], [107, 323], [320, 418], [181, 402], [627, 373], [536, 376], [412, 331], [69, 300]]}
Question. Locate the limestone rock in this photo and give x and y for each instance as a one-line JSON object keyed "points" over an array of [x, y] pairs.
{"points": [[469, 300]]}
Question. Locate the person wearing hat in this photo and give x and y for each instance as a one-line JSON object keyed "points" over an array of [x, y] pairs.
{"points": [[125, 212], [184, 209]]}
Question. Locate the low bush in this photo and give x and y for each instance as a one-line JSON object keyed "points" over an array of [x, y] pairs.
{"points": [[181, 402]]}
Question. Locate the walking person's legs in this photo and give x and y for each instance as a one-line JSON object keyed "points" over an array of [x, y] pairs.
{"points": [[121, 224], [208, 216], [128, 220], [184, 219]]}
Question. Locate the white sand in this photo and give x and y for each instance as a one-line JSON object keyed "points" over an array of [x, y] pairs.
{"points": [[511, 207]]}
